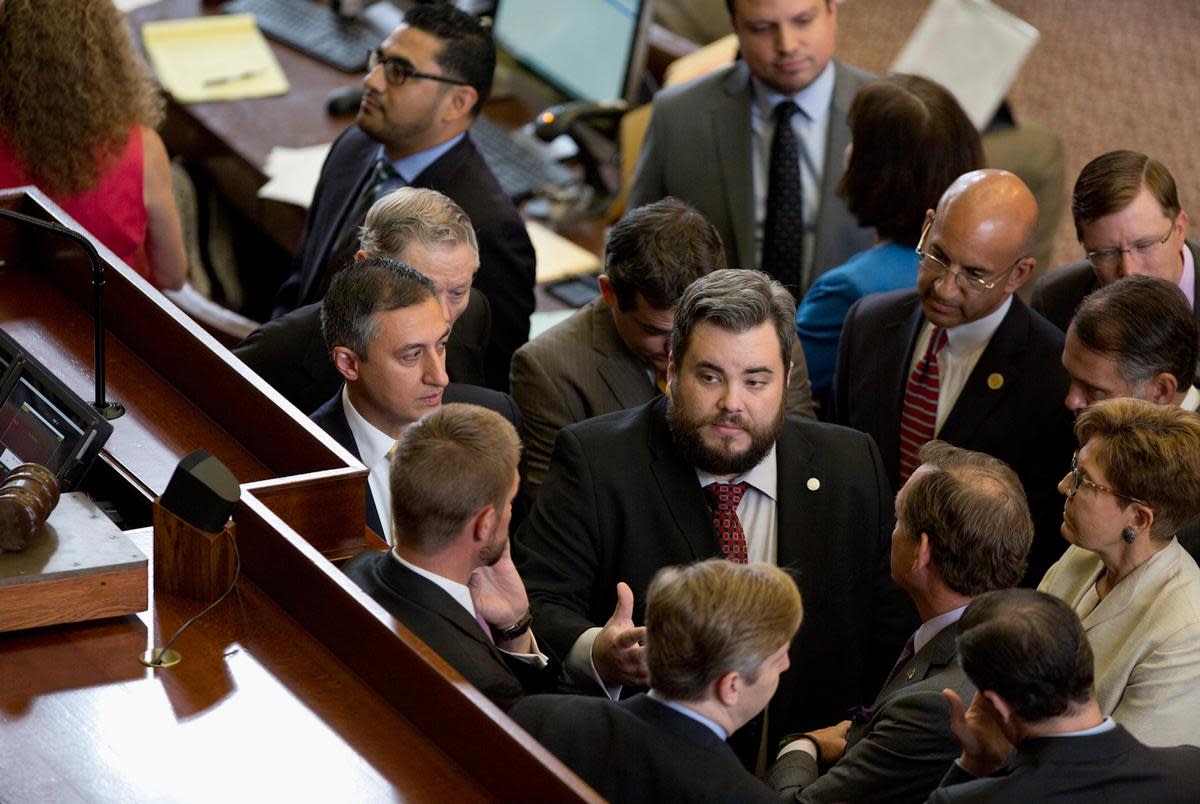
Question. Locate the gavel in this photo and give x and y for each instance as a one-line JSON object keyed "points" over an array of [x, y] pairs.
{"points": [[27, 496]]}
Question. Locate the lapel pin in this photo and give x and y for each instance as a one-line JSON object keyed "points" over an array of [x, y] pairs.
{"points": [[813, 484], [912, 672], [995, 381]]}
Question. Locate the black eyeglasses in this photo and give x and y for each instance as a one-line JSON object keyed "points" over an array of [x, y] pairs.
{"points": [[397, 70], [1077, 480]]}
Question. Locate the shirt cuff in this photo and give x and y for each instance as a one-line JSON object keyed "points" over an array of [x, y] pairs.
{"points": [[582, 669], [804, 744], [534, 657]]}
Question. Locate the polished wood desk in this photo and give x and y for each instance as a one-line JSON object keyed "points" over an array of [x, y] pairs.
{"points": [[300, 685]]}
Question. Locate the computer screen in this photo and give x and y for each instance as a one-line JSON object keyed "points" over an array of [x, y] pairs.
{"points": [[593, 50], [34, 430]]}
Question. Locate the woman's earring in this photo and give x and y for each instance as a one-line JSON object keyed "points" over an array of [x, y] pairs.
{"points": [[1127, 535]]}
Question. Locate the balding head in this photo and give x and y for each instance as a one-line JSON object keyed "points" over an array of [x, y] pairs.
{"points": [[982, 232]]}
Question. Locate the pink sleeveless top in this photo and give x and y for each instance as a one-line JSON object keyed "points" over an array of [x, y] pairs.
{"points": [[113, 211]]}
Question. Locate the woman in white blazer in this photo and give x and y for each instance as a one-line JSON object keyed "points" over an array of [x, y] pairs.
{"points": [[1133, 482]]}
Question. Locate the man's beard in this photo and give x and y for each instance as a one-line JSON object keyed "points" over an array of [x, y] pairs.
{"points": [[717, 460]]}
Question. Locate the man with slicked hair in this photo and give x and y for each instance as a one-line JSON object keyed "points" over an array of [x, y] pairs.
{"points": [[716, 468], [717, 637], [1129, 221], [1034, 731], [961, 358]]}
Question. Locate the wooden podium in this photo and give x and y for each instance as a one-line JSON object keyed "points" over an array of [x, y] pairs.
{"points": [[420, 732]]}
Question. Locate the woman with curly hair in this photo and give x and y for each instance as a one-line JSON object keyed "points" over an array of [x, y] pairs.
{"points": [[77, 116]]}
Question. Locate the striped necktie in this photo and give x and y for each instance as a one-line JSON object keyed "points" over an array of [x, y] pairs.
{"points": [[918, 416]]}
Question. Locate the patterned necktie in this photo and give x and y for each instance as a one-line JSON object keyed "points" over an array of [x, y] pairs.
{"points": [[783, 230], [723, 499], [382, 179], [918, 416], [905, 657]]}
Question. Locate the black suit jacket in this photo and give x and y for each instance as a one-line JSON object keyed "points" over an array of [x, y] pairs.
{"points": [[1057, 294], [903, 748], [620, 502], [1011, 406], [331, 417], [639, 750], [1101, 768], [446, 627], [289, 352], [506, 258]]}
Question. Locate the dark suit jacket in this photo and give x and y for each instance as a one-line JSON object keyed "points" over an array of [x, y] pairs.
{"points": [[1102, 768], [905, 747], [1057, 294], [639, 750], [620, 502], [289, 352], [506, 258], [698, 148], [1023, 422], [331, 418], [446, 627]]}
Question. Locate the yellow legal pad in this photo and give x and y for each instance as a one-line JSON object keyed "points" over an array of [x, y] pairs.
{"points": [[219, 57]]}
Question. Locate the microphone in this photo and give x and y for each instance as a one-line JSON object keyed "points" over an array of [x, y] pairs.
{"points": [[108, 409]]}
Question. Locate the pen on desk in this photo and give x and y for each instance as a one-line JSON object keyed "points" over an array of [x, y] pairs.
{"points": [[229, 79]]}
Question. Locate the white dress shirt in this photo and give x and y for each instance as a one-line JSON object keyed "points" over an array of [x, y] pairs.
{"points": [[373, 447], [964, 345], [811, 125]]}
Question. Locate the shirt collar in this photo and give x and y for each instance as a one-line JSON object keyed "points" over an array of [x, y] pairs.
{"points": [[459, 591], [1108, 724], [966, 338], [373, 443], [813, 100], [934, 626], [1191, 400], [764, 477], [1187, 280], [413, 165], [687, 712]]}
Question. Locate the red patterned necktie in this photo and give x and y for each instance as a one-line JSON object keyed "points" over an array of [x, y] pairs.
{"points": [[918, 416], [723, 499]]}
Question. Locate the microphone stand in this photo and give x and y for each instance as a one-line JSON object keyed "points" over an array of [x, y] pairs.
{"points": [[107, 409]]}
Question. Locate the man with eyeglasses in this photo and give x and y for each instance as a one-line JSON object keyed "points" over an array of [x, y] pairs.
{"points": [[961, 358], [424, 88], [1129, 221]]}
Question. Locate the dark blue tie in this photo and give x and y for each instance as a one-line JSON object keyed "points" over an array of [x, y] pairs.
{"points": [[783, 230]]}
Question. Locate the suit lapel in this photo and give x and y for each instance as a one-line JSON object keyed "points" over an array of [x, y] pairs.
{"points": [[798, 510], [332, 418], [836, 139], [992, 377], [428, 595], [680, 488], [363, 162], [901, 330], [620, 371], [731, 129]]}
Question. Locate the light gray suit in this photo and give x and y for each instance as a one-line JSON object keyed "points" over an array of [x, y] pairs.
{"points": [[902, 748], [698, 149], [580, 368], [1145, 635]]}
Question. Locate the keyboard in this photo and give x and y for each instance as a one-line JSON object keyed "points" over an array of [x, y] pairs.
{"points": [[313, 29], [519, 165]]}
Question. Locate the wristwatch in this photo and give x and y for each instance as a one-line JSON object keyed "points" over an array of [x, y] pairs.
{"points": [[513, 631]]}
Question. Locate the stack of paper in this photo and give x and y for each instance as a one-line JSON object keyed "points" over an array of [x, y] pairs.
{"points": [[219, 57], [292, 174]]}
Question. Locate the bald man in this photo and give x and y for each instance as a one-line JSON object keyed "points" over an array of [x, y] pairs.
{"points": [[961, 358]]}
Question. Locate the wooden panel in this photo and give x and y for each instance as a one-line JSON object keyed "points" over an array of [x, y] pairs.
{"points": [[257, 709]]}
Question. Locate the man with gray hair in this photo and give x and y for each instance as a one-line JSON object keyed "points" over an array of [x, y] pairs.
{"points": [[421, 228], [962, 529], [715, 468]]}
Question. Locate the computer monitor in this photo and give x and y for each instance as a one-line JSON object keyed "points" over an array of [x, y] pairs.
{"points": [[593, 50]]}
